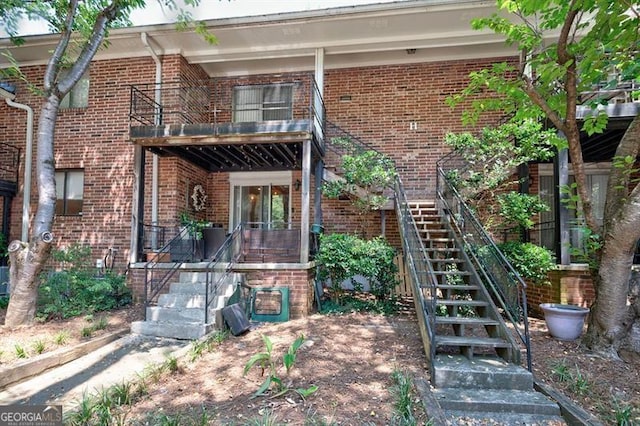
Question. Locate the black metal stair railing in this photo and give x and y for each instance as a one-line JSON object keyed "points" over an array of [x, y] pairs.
{"points": [[505, 285], [498, 276], [221, 266], [157, 273], [421, 274]]}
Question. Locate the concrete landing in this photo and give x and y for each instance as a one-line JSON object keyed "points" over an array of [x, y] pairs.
{"points": [[489, 372]]}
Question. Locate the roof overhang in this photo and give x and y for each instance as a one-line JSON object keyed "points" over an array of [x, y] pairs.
{"points": [[378, 34]]}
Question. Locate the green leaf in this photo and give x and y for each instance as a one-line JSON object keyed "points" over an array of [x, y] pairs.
{"points": [[262, 357], [288, 360], [267, 343], [263, 387], [304, 393]]}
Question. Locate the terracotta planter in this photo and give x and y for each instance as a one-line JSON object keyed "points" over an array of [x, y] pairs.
{"points": [[564, 322]]}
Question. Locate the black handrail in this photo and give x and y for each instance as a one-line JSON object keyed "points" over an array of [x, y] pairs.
{"points": [[223, 261], [202, 102], [506, 286], [155, 279], [421, 273]]}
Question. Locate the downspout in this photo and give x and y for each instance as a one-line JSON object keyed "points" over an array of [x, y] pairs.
{"points": [[155, 165], [26, 190], [158, 96]]}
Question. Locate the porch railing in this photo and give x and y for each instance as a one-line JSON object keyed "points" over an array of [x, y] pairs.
{"points": [[221, 266], [157, 272], [270, 242], [505, 285]]}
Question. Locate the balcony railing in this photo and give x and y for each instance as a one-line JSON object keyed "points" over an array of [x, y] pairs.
{"points": [[614, 91], [224, 105], [9, 162]]}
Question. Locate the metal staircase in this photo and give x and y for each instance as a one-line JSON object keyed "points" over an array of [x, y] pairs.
{"points": [[467, 322], [465, 292]]}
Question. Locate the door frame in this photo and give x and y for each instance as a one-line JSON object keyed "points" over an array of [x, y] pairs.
{"points": [[258, 179]]}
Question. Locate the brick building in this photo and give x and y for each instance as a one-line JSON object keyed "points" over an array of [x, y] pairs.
{"points": [[165, 124]]}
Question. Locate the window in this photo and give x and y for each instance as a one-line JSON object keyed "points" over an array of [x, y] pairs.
{"points": [[262, 103], [597, 179], [78, 97], [69, 192], [262, 200]]}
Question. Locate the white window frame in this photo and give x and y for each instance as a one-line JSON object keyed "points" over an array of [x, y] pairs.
{"points": [[64, 187], [254, 112], [257, 179]]}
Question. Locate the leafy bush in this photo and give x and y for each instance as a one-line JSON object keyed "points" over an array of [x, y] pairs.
{"points": [[342, 256], [4, 302], [76, 290], [518, 208], [529, 260]]}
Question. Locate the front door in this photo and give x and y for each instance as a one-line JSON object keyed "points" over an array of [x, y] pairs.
{"points": [[261, 200]]}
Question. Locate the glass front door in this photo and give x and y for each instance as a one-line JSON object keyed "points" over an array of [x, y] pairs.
{"points": [[264, 206]]}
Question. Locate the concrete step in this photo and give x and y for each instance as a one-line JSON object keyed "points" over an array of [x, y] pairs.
{"points": [[459, 287], [502, 419], [159, 313], [201, 277], [471, 341], [481, 372], [496, 401], [174, 330], [181, 300], [199, 288]]}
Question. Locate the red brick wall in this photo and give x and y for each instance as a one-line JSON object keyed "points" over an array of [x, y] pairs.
{"points": [[386, 99], [95, 139], [573, 287]]}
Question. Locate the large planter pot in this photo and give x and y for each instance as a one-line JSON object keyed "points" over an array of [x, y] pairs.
{"points": [[564, 322]]}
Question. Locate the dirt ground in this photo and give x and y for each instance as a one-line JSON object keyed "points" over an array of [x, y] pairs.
{"points": [[350, 358]]}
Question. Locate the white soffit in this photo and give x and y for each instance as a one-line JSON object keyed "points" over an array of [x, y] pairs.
{"points": [[353, 36]]}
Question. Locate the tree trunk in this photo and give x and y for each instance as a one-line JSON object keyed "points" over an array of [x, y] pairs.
{"points": [[26, 265], [27, 260]]}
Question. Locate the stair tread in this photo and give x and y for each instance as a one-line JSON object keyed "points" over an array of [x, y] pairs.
{"points": [[496, 342], [457, 302], [496, 418], [460, 273], [457, 287], [466, 320]]}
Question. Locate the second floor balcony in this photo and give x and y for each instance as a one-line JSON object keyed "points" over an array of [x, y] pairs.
{"points": [[225, 126]]}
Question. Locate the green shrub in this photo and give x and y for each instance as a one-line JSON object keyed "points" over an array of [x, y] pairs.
{"points": [[518, 209], [342, 256], [76, 290], [4, 302], [532, 262]]}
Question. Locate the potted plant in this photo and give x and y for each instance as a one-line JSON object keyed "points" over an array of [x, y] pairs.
{"points": [[533, 263], [564, 322], [192, 248]]}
